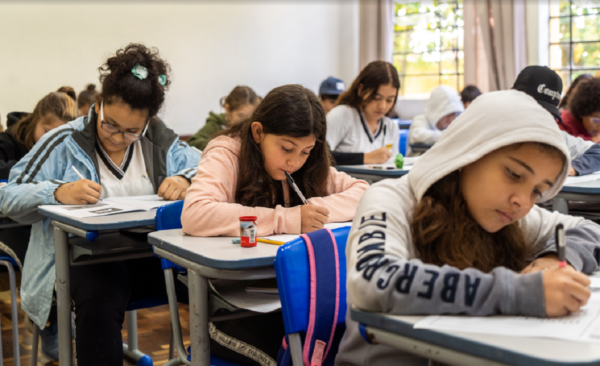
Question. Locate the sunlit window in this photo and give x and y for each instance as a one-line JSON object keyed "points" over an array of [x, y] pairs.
{"points": [[574, 38], [428, 45]]}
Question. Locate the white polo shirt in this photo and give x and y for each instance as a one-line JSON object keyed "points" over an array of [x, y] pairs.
{"points": [[348, 131], [128, 179]]}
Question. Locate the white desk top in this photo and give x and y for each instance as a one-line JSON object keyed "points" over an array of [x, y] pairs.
{"points": [[108, 222], [214, 252]]}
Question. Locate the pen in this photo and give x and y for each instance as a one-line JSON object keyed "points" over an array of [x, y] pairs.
{"points": [[260, 240], [382, 167], [77, 172], [561, 246], [295, 187]]}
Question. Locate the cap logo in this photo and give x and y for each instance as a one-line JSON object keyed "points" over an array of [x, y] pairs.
{"points": [[551, 93], [340, 86]]}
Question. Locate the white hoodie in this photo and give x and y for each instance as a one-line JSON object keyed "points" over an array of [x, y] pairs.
{"points": [[442, 102], [384, 270]]}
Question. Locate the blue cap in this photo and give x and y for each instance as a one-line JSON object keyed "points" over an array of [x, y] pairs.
{"points": [[332, 86]]}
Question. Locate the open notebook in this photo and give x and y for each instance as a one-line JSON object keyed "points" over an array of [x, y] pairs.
{"points": [[109, 206]]}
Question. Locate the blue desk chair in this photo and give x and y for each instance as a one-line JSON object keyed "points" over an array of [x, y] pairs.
{"points": [[169, 217], [10, 263], [293, 280], [403, 141]]}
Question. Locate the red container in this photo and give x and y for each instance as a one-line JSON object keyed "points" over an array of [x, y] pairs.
{"points": [[248, 230]]}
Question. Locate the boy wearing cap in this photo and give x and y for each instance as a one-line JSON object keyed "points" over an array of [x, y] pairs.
{"points": [[545, 86], [329, 91]]}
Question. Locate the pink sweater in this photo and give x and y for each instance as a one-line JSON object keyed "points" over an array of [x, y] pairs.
{"points": [[210, 208]]}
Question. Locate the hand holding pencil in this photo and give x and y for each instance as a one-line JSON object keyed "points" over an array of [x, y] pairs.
{"points": [[312, 217], [80, 192]]}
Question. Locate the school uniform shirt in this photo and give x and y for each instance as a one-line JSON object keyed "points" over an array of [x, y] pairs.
{"points": [[348, 131], [573, 126], [442, 102], [35, 178], [210, 208], [128, 179], [385, 273]]}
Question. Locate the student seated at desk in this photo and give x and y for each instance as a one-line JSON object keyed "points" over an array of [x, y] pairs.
{"points": [[86, 98], [121, 149], [242, 173], [564, 101], [582, 116], [442, 108], [585, 155], [238, 106], [461, 234], [359, 122], [330, 91], [468, 95]]}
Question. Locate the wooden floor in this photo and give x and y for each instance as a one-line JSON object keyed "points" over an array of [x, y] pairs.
{"points": [[153, 333]]}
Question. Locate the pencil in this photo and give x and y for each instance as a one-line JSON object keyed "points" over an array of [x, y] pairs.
{"points": [[77, 172], [267, 241]]}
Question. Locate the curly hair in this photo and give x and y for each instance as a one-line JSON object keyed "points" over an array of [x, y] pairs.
{"points": [[581, 78], [585, 100], [290, 110], [119, 84]]}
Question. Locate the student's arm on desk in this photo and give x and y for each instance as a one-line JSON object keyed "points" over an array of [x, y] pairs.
{"points": [[32, 185], [182, 160], [588, 162], [582, 237], [382, 277], [208, 210], [343, 194], [421, 133]]}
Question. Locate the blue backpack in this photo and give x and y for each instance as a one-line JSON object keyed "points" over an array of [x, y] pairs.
{"points": [[327, 282]]}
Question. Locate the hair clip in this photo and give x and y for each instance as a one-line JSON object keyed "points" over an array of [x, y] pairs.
{"points": [[162, 79], [140, 72]]}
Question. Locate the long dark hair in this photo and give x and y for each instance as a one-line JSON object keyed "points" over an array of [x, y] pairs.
{"points": [[564, 102], [374, 75], [289, 110]]}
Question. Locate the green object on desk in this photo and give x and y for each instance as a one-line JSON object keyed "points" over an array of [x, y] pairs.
{"points": [[399, 161], [236, 241]]}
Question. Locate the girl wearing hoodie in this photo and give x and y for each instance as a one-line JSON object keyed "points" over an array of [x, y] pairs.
{"points": [[442, 108], [359, 122], [461, 234], [121, 149], [238, 106]]}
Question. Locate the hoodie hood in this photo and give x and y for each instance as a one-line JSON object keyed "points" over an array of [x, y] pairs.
{"points": [[443, 101], [494, 120]]}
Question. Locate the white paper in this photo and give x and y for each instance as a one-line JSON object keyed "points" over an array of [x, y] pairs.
{"points": [[234, 292], [582, 326], [582, 179], [109, 206], [289, 237]]}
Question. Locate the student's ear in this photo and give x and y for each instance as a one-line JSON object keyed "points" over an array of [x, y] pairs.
{"points": [[227, 108], [257, 132], [97, 107]]}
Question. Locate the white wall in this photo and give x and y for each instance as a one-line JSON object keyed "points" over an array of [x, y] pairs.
{"points": [[211, 46], [537, 15]]}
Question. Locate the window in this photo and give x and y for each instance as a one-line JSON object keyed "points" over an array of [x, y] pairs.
{"points": [[428, 45], [574, 38]]}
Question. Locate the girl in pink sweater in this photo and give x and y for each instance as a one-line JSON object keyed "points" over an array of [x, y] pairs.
{"points": [[242, 172]]}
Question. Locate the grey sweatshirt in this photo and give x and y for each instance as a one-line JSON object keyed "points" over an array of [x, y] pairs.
{"points": [[385, 273]]}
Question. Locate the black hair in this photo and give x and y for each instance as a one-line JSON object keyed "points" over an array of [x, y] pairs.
{"points": [[565, 100], [332, 97], [469, 93], [585, 100], [120, 84], [88, 96]]}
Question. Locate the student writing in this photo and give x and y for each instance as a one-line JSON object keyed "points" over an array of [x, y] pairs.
{"points": [[359, 122], [122, 149], [461, 234]]}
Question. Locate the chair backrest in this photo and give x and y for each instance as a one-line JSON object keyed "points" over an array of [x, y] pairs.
{"points": [[403, 141], [293, 280], [169, 216]]}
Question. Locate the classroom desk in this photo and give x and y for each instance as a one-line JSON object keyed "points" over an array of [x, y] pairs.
{"points": [[404, 124], [370, 174], [214, 257], [586, 191], [458, 348], [86, 228]]}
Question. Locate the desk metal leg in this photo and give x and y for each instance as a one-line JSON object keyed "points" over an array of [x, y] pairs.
{"points": [[561, 205], [199, 337], [63, 297]]}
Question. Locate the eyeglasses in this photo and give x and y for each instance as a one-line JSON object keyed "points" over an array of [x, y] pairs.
{"points": [[115, 131], [595, 120]]}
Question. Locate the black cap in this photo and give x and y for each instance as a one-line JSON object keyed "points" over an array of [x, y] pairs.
{"points": [[543, 84]]}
